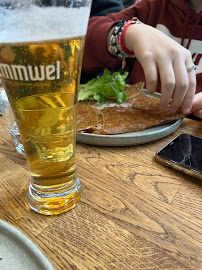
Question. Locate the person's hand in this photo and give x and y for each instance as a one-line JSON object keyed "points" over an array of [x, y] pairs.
{"points": [[160, 55], [197, 105]]}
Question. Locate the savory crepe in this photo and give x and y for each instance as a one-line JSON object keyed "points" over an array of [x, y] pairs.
{"points": [[140, 111]]}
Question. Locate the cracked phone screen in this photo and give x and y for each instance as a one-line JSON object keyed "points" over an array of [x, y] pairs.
{"points": [[185, 150]]}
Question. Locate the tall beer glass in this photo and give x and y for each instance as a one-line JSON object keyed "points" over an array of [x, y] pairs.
{"points": [[41, 49]]}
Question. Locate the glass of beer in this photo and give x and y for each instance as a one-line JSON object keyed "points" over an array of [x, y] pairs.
{"points": [[41, 50]]}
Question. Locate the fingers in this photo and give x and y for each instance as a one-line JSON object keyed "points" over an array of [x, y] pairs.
{"points": [[151, 74], [185, 85], [181, 85], [197, 105], [198, 113], [189, 96], [168, 82], [165, 58], [177, 85]]}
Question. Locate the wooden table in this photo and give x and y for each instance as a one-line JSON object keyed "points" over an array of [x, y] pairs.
{"points": [[134, 213]]}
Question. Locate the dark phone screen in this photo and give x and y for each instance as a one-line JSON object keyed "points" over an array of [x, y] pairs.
{"points": [[185, 150]]}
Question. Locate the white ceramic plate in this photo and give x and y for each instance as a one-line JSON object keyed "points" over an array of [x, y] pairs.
{"points": [[132, 138], [17, 252]]}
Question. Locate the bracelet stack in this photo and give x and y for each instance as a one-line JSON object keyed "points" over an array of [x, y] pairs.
{"points": [[117, 47]]}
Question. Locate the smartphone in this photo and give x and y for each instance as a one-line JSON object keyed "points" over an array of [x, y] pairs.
{"points": [[183, 153]]}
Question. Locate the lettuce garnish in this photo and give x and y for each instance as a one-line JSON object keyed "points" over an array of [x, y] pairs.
{"points": [[108, 85]]}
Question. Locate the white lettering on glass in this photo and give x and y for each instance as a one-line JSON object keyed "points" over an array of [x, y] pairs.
{"points": [[30, 73]]}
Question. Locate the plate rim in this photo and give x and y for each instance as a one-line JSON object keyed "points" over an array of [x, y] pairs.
{"points": [[16, 235], [131, 138]]}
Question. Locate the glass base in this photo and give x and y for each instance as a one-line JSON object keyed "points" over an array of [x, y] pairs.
{"points": [[51, 201]]}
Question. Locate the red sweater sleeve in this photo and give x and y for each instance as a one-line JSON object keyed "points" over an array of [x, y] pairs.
{"points": [[96, 56], [174, 18]]}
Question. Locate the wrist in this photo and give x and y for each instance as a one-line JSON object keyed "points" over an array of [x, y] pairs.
{"points": [[131, 36], [116, 39]]}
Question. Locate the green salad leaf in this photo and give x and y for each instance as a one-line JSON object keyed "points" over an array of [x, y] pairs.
{"points": [[104, 87]]}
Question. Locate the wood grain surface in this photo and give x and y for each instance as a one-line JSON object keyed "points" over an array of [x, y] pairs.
{"points": [[134, 213]]}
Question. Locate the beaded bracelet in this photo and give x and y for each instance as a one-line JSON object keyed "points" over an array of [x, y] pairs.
{"points": [[117, 46], [113, 47]]}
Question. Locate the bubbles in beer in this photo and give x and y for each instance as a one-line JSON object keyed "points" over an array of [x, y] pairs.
{"points": [[34, 23]]}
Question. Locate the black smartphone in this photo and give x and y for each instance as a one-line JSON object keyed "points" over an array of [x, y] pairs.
{"points": [[183, 153]]}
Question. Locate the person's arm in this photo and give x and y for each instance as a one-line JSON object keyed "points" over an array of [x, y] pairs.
{"points": [[101, 8], [160, 56], [96, 56]]}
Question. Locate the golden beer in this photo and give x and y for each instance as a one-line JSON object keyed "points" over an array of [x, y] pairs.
{"points": [[41, 50], [47, 127], [41, 67], [51, 68]]}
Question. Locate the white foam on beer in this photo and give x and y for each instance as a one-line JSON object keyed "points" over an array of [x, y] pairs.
{"points": [[42, 23]]}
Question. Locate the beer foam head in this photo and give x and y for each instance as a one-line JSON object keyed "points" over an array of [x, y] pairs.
{"points": [[33, 23]]}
